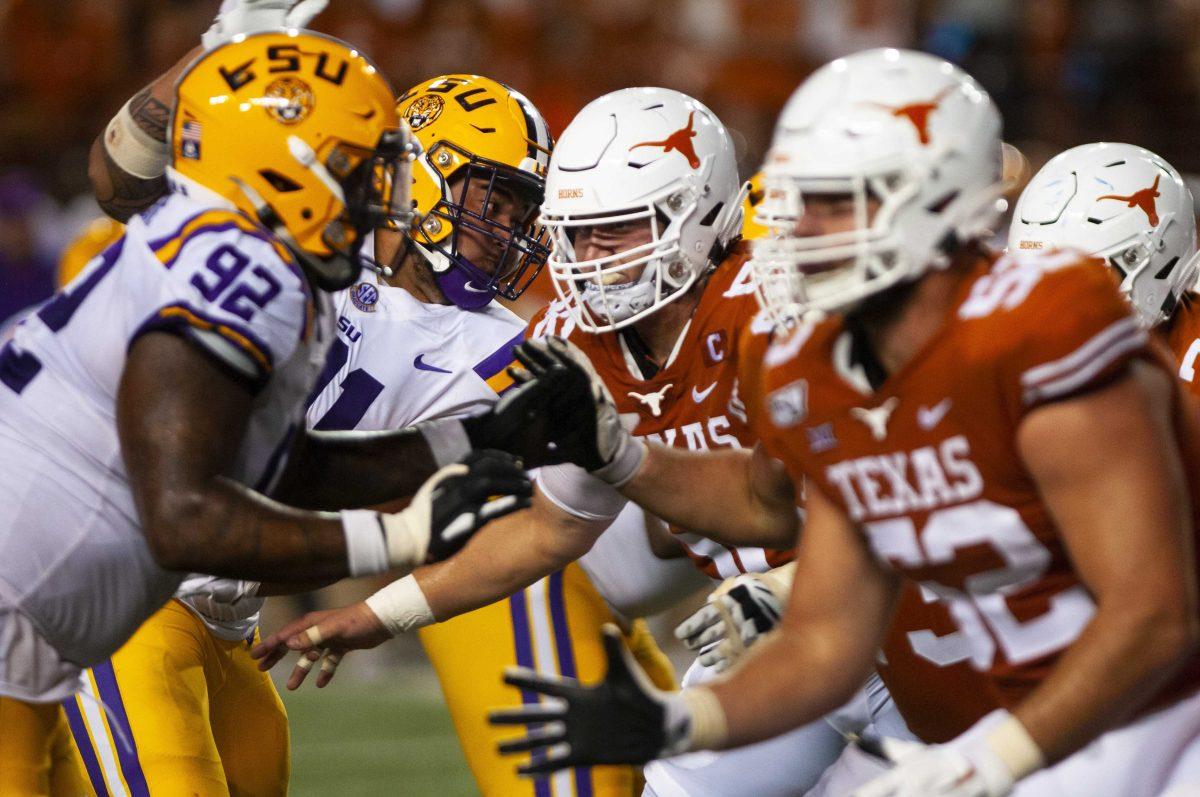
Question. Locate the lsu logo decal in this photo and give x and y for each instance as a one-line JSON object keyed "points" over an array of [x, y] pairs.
{"points": [[290, 100], [364, 295], [425, 109]]}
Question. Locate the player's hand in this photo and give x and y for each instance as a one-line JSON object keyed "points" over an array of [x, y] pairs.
{"points": [[735, 615], [452, 505], [949, 770], [624, 719], [248, 16], [321, 636], [587, 429]]}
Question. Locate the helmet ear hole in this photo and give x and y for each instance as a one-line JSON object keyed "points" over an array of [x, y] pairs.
{"points": [[279, 182]]}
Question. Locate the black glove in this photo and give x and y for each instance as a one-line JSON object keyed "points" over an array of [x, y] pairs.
{"points": [[460, 504], [623, 719]]}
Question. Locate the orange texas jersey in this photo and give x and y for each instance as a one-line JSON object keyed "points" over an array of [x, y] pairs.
{"points": [[1183, 337], [927, 466], [924, 644], [691, 402]]}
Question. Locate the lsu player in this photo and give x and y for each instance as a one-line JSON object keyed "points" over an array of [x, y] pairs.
{"points": [[969, 410], [423, 340], [643, 202], [145, 410], [1131, 208]]}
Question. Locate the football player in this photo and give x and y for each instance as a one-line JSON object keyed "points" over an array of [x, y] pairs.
{"points": [[145, 410], [643, 202], [956, 416], [1131, 208]]}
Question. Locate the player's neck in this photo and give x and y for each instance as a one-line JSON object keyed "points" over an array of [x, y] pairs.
{"points": [[899, 329], [659, 331], [412, 275]]}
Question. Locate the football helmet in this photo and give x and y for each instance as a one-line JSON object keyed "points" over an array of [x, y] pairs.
{"points": [[640, 153], [300, 131], [1124, 204], [93, 239], [904, 129], [474, 128]]}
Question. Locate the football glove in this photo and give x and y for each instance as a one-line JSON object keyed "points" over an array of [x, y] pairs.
{"points": [[986, 761], [455, 503], [585, 426], [624, 719], [733, 618], [248, 16]]}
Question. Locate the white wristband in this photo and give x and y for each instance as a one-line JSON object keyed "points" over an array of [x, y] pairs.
{"points": [[366, 542], [1012, 744], [401, 606], [709, 726], [447, 440], [625, 465], [406, 535], [133, 149]]}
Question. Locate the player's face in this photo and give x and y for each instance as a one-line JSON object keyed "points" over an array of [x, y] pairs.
{"points": [[605, 240], [502, 205], [828, 214]]}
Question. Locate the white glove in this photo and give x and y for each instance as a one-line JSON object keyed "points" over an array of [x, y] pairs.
{"points": [[986, 761], [248, 16], [736, 614]]}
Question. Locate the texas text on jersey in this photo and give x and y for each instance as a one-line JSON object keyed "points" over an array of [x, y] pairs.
{"points": [[925, 462], [693, 401]]}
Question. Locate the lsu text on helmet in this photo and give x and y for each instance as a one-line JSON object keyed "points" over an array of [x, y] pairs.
{"points": [[484, 146], [1124, 204], [905, 130], [637, 154], [300, 131]]}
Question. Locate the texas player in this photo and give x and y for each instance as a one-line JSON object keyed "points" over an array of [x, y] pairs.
{"points": [[1134, 210], [957, 419]]}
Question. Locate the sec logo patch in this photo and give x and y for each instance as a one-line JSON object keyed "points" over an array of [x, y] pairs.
{"points": [[365, 296]]}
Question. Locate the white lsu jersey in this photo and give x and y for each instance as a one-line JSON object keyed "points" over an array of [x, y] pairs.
{"points": [[73, 560], [432, 361]]}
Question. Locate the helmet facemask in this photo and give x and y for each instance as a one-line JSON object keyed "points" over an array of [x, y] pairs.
{"points": [[830, 272], [1151, 287], [466, 210], [602, 288]]}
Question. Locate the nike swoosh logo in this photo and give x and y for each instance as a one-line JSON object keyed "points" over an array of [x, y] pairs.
{"points": [[699, 396], [929, 417], [471, 289], [424, 366]]}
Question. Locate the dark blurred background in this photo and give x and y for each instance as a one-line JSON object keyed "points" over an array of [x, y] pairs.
{"points": [[1063, 71]]}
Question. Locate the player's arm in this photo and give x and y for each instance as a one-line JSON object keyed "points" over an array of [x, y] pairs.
{"points": [[127, 161], [838, 612], [1125, 514], [181, 419], [735, 497], [511, 554]]}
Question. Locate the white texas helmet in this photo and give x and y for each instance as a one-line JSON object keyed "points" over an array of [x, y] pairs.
{"points": [[640, 153], [907, 129], [1124, 204]]}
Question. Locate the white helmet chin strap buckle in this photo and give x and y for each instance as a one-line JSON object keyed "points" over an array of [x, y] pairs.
{"points": [[437, 261]]}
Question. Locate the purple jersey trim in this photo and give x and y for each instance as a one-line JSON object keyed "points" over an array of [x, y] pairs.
{"points": [[500, 359]]}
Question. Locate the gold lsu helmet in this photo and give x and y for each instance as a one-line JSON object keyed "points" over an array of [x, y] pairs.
{"points": [[476, 131], [96, 236], [299, 130], [754, 193]]}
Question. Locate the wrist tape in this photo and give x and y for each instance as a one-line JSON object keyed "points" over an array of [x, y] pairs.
{"points": [[133, 149], [401, 606]]}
